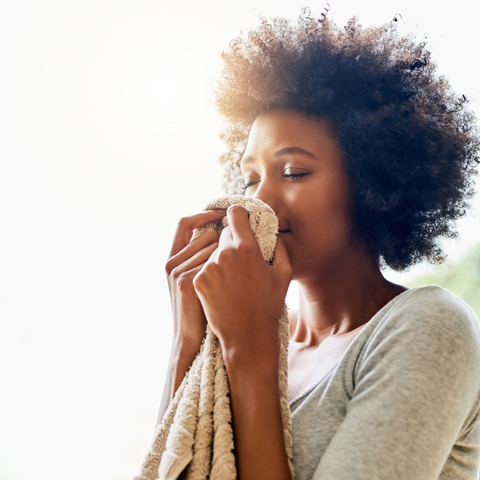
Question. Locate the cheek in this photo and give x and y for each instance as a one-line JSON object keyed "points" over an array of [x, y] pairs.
{"points": [[336, 197], [327, 214], [329, 202]]}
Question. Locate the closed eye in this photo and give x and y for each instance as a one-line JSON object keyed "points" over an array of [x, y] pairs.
{"points": [[290, 176], [249, 184], [293, 176]]}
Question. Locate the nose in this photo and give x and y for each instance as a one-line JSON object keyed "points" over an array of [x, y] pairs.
{"points": [[267, 193]]}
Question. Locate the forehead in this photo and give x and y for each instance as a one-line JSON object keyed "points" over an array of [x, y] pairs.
{"points": [[284, 128]]}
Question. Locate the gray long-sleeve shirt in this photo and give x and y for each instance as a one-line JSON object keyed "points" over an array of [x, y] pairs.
{"points": [[403, 402]]}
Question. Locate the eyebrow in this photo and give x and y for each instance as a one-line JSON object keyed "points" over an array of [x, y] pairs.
{"points": [[284, 151]]}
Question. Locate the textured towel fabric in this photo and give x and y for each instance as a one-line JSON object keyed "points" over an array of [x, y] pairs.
{"points": [[194, 441]]}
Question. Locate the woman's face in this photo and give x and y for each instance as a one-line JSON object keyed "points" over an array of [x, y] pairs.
{"points": [[293, 163]]}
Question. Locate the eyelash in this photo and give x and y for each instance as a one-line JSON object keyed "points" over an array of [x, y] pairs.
{"points": [[248, 185], [291, 176]]}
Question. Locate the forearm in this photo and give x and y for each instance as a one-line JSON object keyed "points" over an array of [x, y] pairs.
{"points": [[181, 358], [257, 420]]}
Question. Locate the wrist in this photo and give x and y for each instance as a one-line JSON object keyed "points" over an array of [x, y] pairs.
{"points": [[253, 382], [188, 339], [183, 352], [252, 359], [257, 417]]}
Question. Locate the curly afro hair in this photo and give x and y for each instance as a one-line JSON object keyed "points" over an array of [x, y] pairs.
{"points": [[411, 146]]}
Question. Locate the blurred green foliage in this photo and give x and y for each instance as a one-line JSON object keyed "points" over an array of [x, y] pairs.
{"points": [[462, 279]]}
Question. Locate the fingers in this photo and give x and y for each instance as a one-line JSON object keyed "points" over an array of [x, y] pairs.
{"points": [[200, 257], [239, 232], [225, 238], [181, 276], [183, 279], [186, 226], [192, 253], [239, 223]]}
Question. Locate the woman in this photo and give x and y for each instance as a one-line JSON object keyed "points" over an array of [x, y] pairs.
{"points": [[367, 159]]}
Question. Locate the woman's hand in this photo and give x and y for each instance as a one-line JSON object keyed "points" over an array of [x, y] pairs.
{"points": [[242, 296], [185, 261]]}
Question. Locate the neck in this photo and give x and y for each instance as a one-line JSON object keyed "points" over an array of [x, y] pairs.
{"points": [[344, 301]]}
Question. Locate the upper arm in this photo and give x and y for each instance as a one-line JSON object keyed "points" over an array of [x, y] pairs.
{"points": [[415, 387]]}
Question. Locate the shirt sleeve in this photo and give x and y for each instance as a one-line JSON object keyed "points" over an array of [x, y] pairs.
{"points": [[415, 389]]}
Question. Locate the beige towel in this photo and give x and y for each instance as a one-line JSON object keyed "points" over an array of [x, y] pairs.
{"points": [[194, 441]]}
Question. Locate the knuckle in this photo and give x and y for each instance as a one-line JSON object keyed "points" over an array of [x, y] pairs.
{"points": [[206, 274], [214, 233], [183, 281], [198, 280], [236, 208], [211, 234], [224, 255], [176, 273], [170, 266], [247, 247], [184, 222], [250, 242]]}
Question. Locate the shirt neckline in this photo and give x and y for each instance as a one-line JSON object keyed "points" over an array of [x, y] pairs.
{"points": [[380, 313]]}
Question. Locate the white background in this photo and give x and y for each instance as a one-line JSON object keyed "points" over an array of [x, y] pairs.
{"points": [[108, 135]]}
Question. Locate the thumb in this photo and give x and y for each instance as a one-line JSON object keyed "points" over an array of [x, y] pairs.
{"points": [[281, 262]]}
